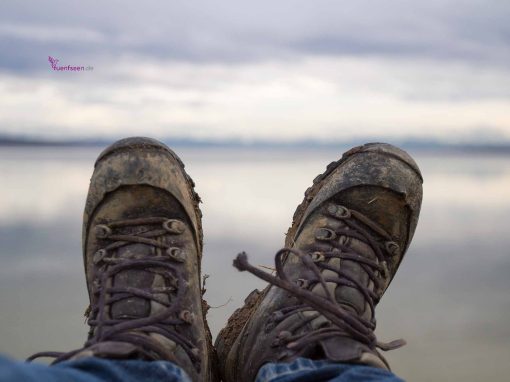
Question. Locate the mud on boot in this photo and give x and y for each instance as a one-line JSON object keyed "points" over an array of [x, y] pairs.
{"points": [[142, 249], [346, 243]]}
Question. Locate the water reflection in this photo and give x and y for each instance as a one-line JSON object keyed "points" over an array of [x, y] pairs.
{"points": [[450, 298]]}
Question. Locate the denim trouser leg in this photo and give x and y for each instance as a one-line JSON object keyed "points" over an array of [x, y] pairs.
{"points": [[92, 370], [303, 370], [103, 370]]}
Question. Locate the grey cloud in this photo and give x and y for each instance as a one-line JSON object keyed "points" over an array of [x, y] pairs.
{"points": [[230, 31], [49, 34]]}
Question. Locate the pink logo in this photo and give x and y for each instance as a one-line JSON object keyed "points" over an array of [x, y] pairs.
{"points": [[53, 62], [54, 65]]}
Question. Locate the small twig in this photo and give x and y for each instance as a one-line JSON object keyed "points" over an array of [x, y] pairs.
{"points": [[222, 305], [87, 313], [373, 200], [204, 277]]}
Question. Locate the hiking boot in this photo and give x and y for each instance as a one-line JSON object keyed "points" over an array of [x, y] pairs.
{"points": [[345, 244], [142, 248]]}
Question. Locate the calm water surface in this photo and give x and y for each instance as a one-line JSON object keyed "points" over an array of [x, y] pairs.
{"points": [[450, 299]]}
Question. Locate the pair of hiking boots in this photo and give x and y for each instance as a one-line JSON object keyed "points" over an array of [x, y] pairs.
{"points": [[142, 247]]}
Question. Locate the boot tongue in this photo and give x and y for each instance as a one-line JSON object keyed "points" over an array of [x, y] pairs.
{"points": [[346, 349], [351, 296], [341, 349], [132, 307]]}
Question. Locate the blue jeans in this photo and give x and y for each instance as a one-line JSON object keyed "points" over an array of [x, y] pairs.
{"points": [[303, 370], [103, 370]]}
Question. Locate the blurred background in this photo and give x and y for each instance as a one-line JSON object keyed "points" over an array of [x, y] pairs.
{"points": [[257, 98]]}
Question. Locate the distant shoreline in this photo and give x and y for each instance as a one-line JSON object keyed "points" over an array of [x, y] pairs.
{"points": [[410, 144]]}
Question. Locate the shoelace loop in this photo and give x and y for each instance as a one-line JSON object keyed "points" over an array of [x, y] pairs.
{"points": [[341, 320], [164, 263]]}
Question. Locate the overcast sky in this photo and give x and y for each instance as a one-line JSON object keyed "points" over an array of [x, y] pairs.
{"points": [[257, 70]]}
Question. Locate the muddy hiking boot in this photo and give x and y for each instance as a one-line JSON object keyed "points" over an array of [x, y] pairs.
{"points": [[345, 244], [142, 247]]}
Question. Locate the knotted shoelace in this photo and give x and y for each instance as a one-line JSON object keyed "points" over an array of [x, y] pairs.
{"points": [[163, 264], [341, 320]]}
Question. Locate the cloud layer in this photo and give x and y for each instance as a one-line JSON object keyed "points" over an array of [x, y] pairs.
{"points": [[290, 69]]}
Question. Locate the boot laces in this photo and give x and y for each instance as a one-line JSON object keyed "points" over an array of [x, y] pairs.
{"points": [[164, 263], [339, 319]]}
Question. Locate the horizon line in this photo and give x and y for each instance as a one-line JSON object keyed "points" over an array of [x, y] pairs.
{"points": [[431, 143]]}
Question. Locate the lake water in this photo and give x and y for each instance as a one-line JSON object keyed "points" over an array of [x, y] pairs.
{"points": [[450, 299]]}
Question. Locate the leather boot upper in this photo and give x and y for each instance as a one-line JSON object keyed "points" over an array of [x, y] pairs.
{"points": [[343, 249], [142, 248]]}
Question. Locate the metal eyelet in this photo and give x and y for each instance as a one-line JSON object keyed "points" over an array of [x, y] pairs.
{"points": [[280, 338], [195, 352], [176, 254], [270, 325], [392, 248], [186, 316], [338, 211], [317, 257], [277, 316], [102, 231], [302, 283], [99, 256], [174, 226], [385, 271], [325, 234]]}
